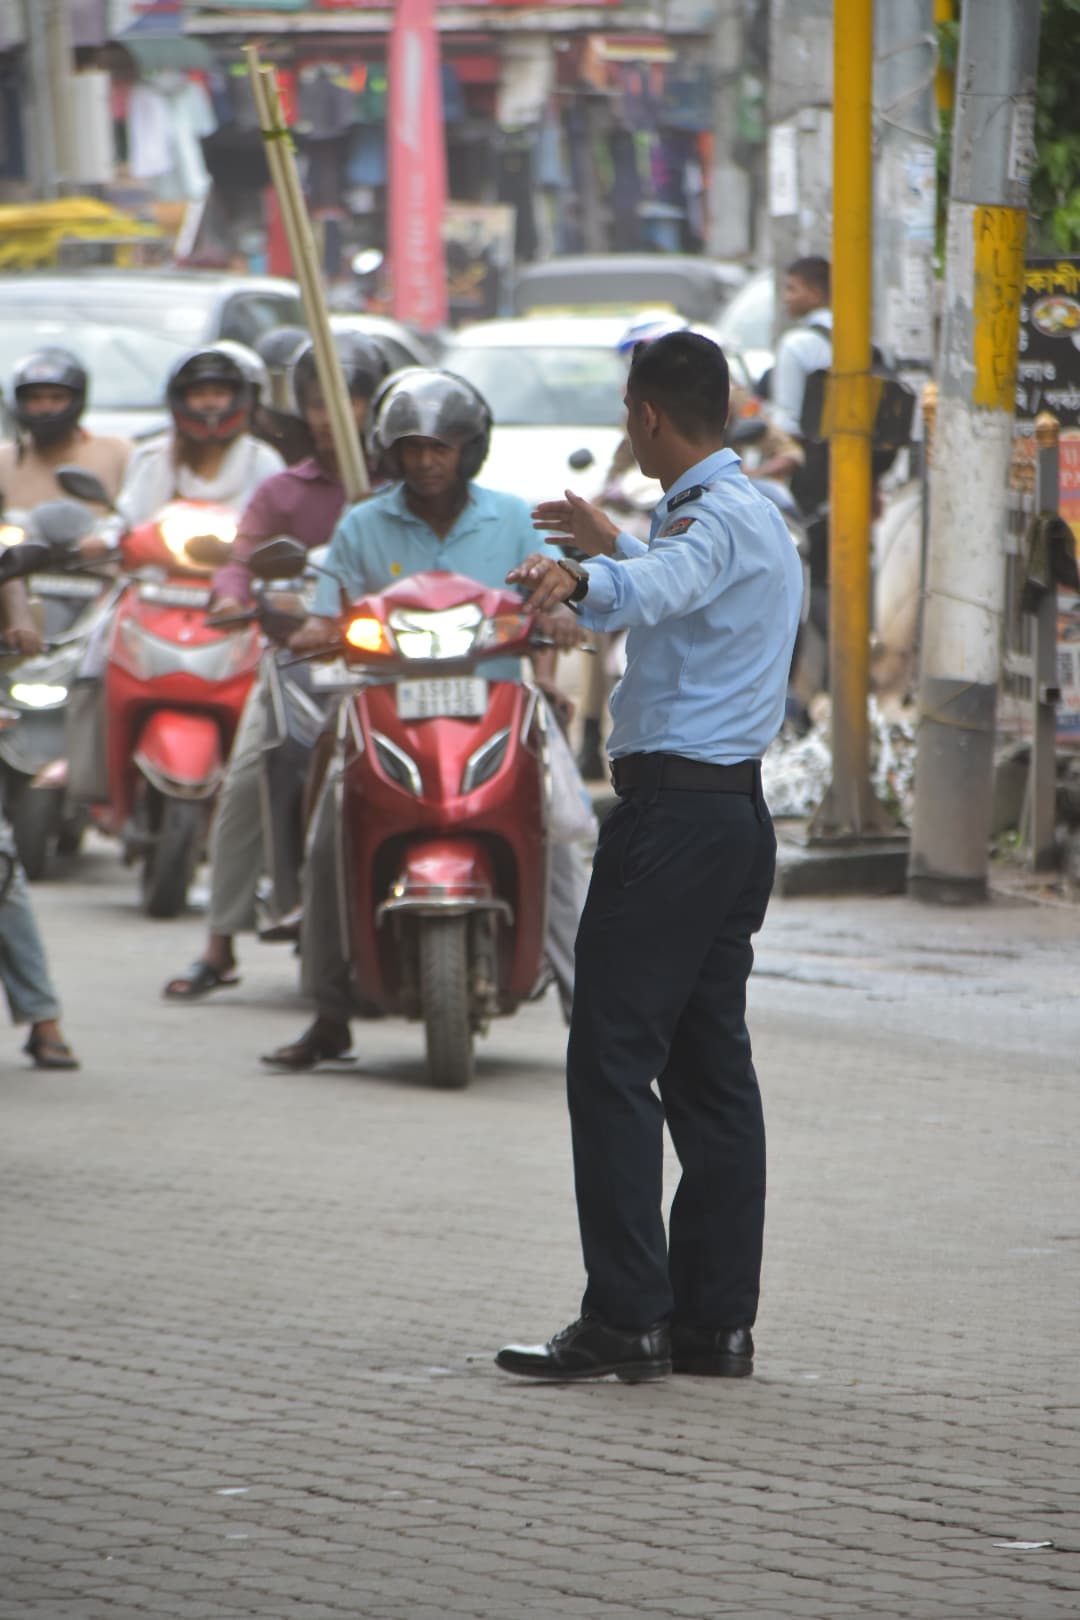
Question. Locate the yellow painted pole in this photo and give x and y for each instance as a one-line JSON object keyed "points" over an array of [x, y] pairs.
{"points": [[849, 808], [944, 78]]}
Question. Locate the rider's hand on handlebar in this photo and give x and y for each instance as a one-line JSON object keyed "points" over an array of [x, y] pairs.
{"points": [[226, 607], [316, 635], [573, 522], [561, 627], [24, 639], [93, 548]]}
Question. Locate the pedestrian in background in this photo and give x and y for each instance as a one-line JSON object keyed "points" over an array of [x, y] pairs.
{"points": [[681, 881]]}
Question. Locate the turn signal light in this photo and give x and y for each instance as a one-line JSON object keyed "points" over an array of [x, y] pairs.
{"points": [[367, 635], [503, 628]]}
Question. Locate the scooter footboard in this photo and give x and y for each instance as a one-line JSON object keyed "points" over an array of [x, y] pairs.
{"points": [[180, 754]]}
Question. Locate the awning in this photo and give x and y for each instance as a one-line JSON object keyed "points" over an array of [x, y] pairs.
{"points": [[156, 40]]}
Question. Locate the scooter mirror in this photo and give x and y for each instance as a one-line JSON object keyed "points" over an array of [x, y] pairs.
{"points": [[61, 523], [580, 459], [83, 486], [208, 550], [278, 559], [747, 430]]}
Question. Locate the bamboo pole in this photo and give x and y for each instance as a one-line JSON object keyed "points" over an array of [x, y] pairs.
{"points": [[286, 180]]}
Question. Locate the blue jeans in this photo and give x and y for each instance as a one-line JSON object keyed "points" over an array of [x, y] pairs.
{"points": [[23, 968]]}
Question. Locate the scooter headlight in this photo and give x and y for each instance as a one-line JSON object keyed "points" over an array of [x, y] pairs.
{"points": [[11, 534], [427, 637], [179, 524], [38, 695]]}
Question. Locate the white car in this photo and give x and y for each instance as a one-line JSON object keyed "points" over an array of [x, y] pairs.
{"points": [[555, 387]]}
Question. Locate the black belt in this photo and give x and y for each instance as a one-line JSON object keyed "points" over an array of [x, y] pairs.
{"points": [[684, 775]]}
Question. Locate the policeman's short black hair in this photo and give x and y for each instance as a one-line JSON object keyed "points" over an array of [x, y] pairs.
{"points": [[815, 271], [684, 375]]}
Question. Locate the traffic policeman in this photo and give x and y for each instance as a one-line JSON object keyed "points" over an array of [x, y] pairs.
{"points": [[681, 880]]}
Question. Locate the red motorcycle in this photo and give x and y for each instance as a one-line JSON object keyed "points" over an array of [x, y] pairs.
{"points": [[444, 789], [174, 689]]}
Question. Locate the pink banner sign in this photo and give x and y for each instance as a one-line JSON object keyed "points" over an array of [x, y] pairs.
{"points": [[417, 168]]}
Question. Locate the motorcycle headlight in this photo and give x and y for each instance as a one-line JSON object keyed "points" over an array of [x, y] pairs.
{"points": [[11, 534], [38, 695], [450, 633]]}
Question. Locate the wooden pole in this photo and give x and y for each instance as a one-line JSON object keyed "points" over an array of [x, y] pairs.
{"points": [[286, 180]]}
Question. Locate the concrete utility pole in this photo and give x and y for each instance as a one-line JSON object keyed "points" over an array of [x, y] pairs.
{"points": [[47, 30], [905, 183], [729, 188], [993, 149], [800, 98]]}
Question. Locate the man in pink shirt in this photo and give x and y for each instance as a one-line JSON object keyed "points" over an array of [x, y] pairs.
{"points": [[303, 502]]}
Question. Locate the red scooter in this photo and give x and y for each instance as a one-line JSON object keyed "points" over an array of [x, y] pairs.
{"points": [[174, 688], [444, 788]]}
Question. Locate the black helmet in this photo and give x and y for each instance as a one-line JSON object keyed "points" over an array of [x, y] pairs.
{"points": [[278, 349], [362, 360], [55, 368], [212, 364], [428, 404]]}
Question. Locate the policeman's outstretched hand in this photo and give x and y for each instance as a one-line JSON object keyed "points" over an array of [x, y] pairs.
{"points": [[316, 635], [573, 522], [545, 584]]}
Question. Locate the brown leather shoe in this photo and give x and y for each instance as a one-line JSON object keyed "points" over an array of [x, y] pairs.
{"points": [[322, 1043], [712, 1352], [590, 1349]]}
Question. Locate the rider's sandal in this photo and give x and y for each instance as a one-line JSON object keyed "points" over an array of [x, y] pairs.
{"points": [[322, 1043], [199, 980], [50, 1054]]}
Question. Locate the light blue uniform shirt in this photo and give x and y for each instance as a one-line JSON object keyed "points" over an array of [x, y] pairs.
{"points": [[381, 541], [712, 603]]}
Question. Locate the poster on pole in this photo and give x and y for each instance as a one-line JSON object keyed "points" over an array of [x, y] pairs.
{"points": [[1048, 373]]}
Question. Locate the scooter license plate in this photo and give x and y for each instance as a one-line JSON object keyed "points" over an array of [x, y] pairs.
{"points": [[462, 697]]}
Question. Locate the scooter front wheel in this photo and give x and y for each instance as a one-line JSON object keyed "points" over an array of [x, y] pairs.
{"points": [[171, 857], [444, 996]]}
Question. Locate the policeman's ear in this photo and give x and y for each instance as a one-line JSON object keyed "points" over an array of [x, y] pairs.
{"points": [[650, 418]]}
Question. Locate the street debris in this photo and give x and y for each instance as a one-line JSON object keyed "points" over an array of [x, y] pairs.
{"points": [[1023, 1546], [797, 769]]}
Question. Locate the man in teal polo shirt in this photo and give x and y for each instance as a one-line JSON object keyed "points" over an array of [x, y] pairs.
{"points": [[432, 432]]}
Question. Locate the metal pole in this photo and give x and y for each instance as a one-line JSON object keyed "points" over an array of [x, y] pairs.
{"points": [[849, 809], [729, 184], [1042, 772], [282, 164], [41, 86], [965, 594]]}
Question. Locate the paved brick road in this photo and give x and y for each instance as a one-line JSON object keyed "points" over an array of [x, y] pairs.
{"points": [[247, 1320]]}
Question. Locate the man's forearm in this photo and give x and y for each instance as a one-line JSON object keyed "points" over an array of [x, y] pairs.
{"points": [[15, 606]]}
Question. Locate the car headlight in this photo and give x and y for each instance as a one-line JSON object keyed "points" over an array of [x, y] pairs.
{"points": [[38, 695], [450, 633]]}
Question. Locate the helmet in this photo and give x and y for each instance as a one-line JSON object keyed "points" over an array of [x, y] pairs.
{"points": [[212, 364], [431, 404], [251, 364], [278, 349], [648, 327], [362, 361], [58, 369]]}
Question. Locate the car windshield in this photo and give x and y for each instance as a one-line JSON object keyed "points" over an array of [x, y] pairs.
{"points": [[529, 386], [747, 323], [128, 367]]}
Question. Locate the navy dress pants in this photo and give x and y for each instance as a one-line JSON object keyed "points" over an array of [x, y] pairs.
{"points": [[680, 883]]}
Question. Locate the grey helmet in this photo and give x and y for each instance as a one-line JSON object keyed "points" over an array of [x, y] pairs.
{"points": [[278, 349], [363, 364], [58, 369], [251, 364], [428, 404]]}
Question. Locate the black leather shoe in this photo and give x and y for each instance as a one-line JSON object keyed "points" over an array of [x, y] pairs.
{"points": [[591, 1349], [324, 1042], [712, 1352]]}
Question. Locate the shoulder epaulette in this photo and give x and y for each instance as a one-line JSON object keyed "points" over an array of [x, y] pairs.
{"points": [[694, 493]]}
